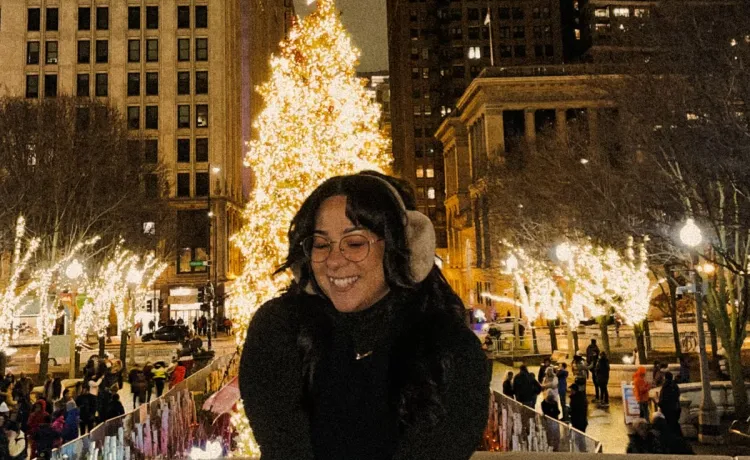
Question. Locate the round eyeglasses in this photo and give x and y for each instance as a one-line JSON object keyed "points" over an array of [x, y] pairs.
{"points": [[354, 248]]}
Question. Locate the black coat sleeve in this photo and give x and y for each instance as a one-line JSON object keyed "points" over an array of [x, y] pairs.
{"points": [[271, 384], [466, 402]]}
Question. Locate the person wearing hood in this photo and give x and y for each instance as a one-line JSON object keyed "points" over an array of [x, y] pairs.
{"points": [[36, 419], [72, 420], [508, 385], [115, 407], [669, 402], [602, 378], [526, 387], [45, 439], [641, 388], [178, 374]]}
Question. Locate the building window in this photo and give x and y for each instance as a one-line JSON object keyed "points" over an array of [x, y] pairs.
{"points": [[183, 83], [84, 51], [506, 51], [183, 116], [503, 13], [431, 193], [152, 17], [134, 84], [473, 33], [549, 50], [475, 52], [183, 49], [414, 34], [152, 50], [151, 151], [430, 173], [201, 116], [640, 12], [415, 73], [201, 149], [82, 85], [102, 51], [134, 51], [102, 85], [425, 73], [152, 117], [201, 17], [520, 51], [32, 53], [32, 86], [201, 49], [52, 21], [33, 21], [151, 188], [102, 18], [622, 12], [134, 17], [183, 17], [152, 83], [186, 255], [134, 117], [183, 150], [50, 86], [517, 13], [84, 18], [505, 32], [519, 32], [50, 50], [536, 13], [420, 173], [201, 82], [183, 184], [201, 184]]}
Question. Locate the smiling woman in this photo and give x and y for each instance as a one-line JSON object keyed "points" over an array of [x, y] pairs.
{"points": [[367, 355]]}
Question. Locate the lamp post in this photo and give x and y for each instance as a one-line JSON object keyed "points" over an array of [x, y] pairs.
{"points": [[708, 417], [214, 170], [565, 255], [511, 263], [73, 271]]}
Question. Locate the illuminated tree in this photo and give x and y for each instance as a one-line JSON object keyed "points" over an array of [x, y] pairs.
{"points": [[318, 122]]}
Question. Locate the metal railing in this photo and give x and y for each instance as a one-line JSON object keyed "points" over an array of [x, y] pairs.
{"points": [[515, 427], [165, 427]]}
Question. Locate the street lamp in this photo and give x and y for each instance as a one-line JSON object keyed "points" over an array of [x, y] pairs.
{"points": [[563, 252], [708, 418], [511, 263], [73, 271], [215, 170], [133, 278]]}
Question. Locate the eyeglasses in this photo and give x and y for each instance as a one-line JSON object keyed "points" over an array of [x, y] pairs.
{"points": [[354, 248]]}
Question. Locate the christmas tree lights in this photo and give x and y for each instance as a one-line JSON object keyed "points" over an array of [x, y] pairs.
{"points": [[318, 122]]}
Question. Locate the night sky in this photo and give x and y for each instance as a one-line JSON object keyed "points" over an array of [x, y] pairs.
{"points": [[366, 21]]}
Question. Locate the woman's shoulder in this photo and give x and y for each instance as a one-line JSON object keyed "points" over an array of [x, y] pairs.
{"points": [[285, 308]]}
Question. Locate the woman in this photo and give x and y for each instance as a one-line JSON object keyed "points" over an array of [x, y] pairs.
{"points": [[367, 355], [602, 378], [159, 376], [641, 388], [550, 409], [550, 383], [508, 385]]}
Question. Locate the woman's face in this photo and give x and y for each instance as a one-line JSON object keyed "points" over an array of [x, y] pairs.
{"points": [[351, 286]]}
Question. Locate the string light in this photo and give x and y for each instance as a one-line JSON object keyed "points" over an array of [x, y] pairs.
{"points": [[318, 122]]}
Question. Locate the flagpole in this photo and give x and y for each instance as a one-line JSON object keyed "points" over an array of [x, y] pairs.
{"points": [[488, 23]]}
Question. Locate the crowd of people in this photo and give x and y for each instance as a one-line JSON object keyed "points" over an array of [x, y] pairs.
{"points": [[32, 424]]}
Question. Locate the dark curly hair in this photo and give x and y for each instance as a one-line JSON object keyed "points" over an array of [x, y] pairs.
{"points": [[421, 362]]}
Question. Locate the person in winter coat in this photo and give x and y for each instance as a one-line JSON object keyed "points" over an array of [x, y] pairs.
{"points": [[550, 409], [149, 379], [159, 375], [102, 402], [580, 371], [115, 408], [579, 406], [526, 387], [508, 385], [602, 378], [562, 389], [58, 420], [543, 370], [86, 403], [549, 405], [36, 419], [72, 420], [23, 412], [641, 388], [138, 386], [669, 403], [670, 442], [551, 383], [640, 440], [366, 355], [178, 374], [45, 439], [592, 358], [684, 370]]}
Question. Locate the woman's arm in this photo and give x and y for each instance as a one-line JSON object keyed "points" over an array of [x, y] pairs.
{"points": [[271, 385]]}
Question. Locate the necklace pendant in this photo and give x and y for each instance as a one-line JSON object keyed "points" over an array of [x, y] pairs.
{"points": [[362, 355]]}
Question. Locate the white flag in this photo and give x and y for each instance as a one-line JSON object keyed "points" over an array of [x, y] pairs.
{"points": [[487, 18]]}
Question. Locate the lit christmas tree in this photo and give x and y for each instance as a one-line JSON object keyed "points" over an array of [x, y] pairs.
{"points": [[318, 122]]}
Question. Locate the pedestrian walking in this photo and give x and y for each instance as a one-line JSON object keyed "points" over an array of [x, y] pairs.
{"points": [[137, 386], [551, 427], [149, 379], [526, 387], [562, 389], [86, 403], [669, 403], [592, 357], [159, 375], [508, 385], [396, 370], [641, 388], [602, 378]]}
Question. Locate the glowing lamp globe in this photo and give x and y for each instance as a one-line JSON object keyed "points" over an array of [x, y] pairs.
{"points": [[74, 270], [690, 234], [563, 252]]}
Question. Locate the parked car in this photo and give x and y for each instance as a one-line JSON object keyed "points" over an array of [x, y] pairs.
{"points": [[172, 333]]}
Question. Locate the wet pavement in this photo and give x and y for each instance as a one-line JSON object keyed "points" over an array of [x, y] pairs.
{"points": [[606, 425]]}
